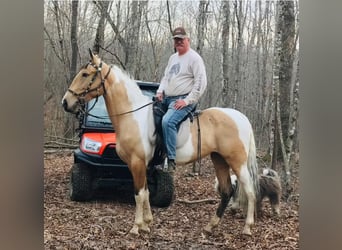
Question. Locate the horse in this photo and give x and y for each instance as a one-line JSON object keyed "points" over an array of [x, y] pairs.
{"points": [[226, 134]]}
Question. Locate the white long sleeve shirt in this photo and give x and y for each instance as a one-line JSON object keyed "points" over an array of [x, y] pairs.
{"points": [[184, 74]]}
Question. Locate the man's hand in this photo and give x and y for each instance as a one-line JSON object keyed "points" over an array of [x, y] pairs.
{"points": [[159, 96], [179, 104]]}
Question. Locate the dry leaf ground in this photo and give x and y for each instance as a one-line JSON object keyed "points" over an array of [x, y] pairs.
{"points": [[104, 222]]}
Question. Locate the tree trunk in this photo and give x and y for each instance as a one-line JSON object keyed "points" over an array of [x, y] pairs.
{"points": [[99, 36], [73, 39], [201, 24], [287, 30], [225, 53], [132, 37], [69, 124], [169, 20], [61, 41], [239, 38], [284, 42], [292, 131], [118, 35]]}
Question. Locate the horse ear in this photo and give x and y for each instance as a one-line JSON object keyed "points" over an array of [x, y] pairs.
{"points": [[91, 54]]}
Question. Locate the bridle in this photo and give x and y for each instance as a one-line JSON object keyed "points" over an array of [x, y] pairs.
{"points": [[80, 96]]}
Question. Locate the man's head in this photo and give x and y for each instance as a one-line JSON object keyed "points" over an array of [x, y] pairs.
{"points": [[181, 40], [179, 32]]}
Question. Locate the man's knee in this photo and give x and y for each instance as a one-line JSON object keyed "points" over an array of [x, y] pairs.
{"points": [[168, 122], [165, 121]]}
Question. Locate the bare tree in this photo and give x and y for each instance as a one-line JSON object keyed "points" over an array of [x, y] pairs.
{"points": [[283, 64], [61, 37], [132, 36], [169, 16], [73, 39], [240, 23], [225, 52], [201, 24], [99, 36], [169, 20], [117, 33]]}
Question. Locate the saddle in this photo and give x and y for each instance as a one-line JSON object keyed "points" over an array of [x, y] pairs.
{"points": [[183, 129]]}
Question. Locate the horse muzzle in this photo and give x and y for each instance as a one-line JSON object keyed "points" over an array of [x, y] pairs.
{"points": [[74, 109]]}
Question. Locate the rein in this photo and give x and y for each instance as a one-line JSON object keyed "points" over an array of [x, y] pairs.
{"points": [[124, 113]]}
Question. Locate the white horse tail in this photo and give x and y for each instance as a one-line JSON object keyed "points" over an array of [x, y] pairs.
{"points": [[252, 167]]}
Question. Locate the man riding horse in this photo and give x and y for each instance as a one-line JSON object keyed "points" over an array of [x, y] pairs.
{"points": [[181, 87]]}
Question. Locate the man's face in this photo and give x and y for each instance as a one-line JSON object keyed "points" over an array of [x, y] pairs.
{"points": [[181, 45]]}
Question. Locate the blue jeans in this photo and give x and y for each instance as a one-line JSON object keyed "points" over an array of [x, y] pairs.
{"points": [[171, 121]]}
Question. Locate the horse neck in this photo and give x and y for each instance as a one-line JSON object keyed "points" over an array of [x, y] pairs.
{"points": [[122, 95]]}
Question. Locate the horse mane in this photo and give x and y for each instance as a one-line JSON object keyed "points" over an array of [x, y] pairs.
{"points": [[84, 66], [134, 92]]}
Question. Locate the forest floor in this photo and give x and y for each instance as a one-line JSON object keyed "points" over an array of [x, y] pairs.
{"points": [[104, 222]]}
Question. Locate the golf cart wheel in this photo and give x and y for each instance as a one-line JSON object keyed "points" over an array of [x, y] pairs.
{"points": [[81, 183], [161, 188]]}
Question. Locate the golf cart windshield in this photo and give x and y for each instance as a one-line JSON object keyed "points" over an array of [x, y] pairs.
{"points": [[99, 110]]}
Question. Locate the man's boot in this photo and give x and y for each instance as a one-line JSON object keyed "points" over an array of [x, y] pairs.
{"points": [[171, 166]]}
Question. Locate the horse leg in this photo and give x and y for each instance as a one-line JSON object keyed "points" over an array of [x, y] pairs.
{"points": [[224, 188], [235, 198], [147, 213], [247, 186], [139, 212], [143, 214]]}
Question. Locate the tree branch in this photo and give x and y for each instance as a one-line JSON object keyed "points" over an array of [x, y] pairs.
{"points": [[198, 201]]}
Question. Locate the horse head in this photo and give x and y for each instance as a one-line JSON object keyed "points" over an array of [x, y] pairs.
{"points": [[87, 84]]}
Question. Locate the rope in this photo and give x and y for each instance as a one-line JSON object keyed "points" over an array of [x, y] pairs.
{"points": [[124, 113]]}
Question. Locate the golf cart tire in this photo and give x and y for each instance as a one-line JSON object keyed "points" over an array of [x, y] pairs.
{"points": [[161, 188], [81, 183]]}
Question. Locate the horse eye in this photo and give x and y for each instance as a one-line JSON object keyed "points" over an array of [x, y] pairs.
{"points": [[85, 75]]}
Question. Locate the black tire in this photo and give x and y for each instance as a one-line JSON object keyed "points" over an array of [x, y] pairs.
{"points": [[81, 179], [161, 188]]}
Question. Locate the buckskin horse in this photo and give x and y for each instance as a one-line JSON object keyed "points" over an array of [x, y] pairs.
{"points": [[226, 134]]}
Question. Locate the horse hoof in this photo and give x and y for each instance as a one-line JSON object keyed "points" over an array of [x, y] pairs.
{"points": [[134, 230], [208, 229], [148, 220], [247, 231], [145, 229]]}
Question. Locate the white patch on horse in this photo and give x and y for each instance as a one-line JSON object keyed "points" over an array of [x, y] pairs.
{"points": [[185, 151], [243, 122], [233, 179], [144, 120], [184, 147], [183, 133], [143, 117]]}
